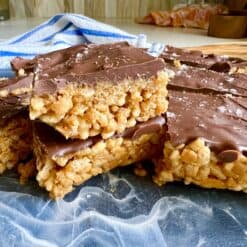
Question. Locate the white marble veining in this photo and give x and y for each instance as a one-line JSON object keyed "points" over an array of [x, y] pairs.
{"points": [[181, 37]]}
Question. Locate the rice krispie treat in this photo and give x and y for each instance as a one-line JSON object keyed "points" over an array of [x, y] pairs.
{"points": [[63, 164], [206, 140], [15, 127], [15, 95], [196, 58], [15, 141], [92, 90]]}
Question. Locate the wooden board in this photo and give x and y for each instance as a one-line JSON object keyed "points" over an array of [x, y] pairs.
{"points": [[238, 49]]}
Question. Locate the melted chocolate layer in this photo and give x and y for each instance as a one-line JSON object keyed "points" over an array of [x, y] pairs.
{"points": [[54, 144], [221, 120], [13, 97]]}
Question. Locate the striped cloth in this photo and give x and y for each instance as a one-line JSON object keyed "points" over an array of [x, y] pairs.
{"points": [[61, 31]]}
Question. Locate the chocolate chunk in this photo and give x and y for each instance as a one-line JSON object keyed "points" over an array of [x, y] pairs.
{"points": [[228, 156], [151, 126], [220, 120], [55, 144], [223, 67], [14, 95]]}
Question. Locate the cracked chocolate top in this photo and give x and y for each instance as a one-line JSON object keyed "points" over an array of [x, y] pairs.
{"points": [[198, 59], [201, 79]]}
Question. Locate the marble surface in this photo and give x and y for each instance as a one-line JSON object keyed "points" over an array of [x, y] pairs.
{"points": [[120, 209], [181, 37]]}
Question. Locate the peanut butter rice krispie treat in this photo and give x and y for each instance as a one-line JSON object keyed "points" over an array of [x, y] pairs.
{"points": [[15, 141], [92, 90], [15, 127], [206, 140], [196, 58], [63, 164]]}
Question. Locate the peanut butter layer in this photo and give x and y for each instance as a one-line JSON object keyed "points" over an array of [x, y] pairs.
{"points": [[98, 90], [15, 140], [63, 164], [196, 163]]}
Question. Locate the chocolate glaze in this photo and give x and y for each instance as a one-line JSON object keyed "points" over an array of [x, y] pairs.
{"points": [[46, 60], [196, 58], [220, 120], [54, 144], [91, 64], [14, 102], [200, 78]]}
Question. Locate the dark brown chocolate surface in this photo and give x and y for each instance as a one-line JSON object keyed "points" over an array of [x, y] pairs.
{"points": [[12, 101], [196, 58], [46, 60], [89, 64], [54, 144], [220, 120], [199, 78]]}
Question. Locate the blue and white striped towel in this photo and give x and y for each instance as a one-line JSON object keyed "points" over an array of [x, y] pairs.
{"points": [[61, 31]]}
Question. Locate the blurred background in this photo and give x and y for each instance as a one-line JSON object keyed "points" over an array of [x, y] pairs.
{"points": [[92, 8]]}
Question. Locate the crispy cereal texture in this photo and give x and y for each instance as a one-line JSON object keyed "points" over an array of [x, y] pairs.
{"points": [[60, 175], [195, 163], [104, 109], [15, 141]]}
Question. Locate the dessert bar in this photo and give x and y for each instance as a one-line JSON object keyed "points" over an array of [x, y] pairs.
{"points": [[206, 138], [92, 90], [207, 141], [15, 127], [63, 164]]}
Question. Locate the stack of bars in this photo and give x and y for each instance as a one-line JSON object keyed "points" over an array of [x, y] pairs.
{"points": [[87, 109], [92, 108]]}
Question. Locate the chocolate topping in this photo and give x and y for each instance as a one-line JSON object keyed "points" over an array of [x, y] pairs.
{"points": [[198, 78], [14, 95], [198, 59], [54, 144], [91, 64], [46, 60], [219, 119]]}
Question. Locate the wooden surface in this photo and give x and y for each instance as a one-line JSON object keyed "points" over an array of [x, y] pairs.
{"points": [[231, 49]]}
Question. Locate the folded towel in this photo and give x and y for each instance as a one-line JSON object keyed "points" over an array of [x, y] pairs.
{"points": [[61, 31]]}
